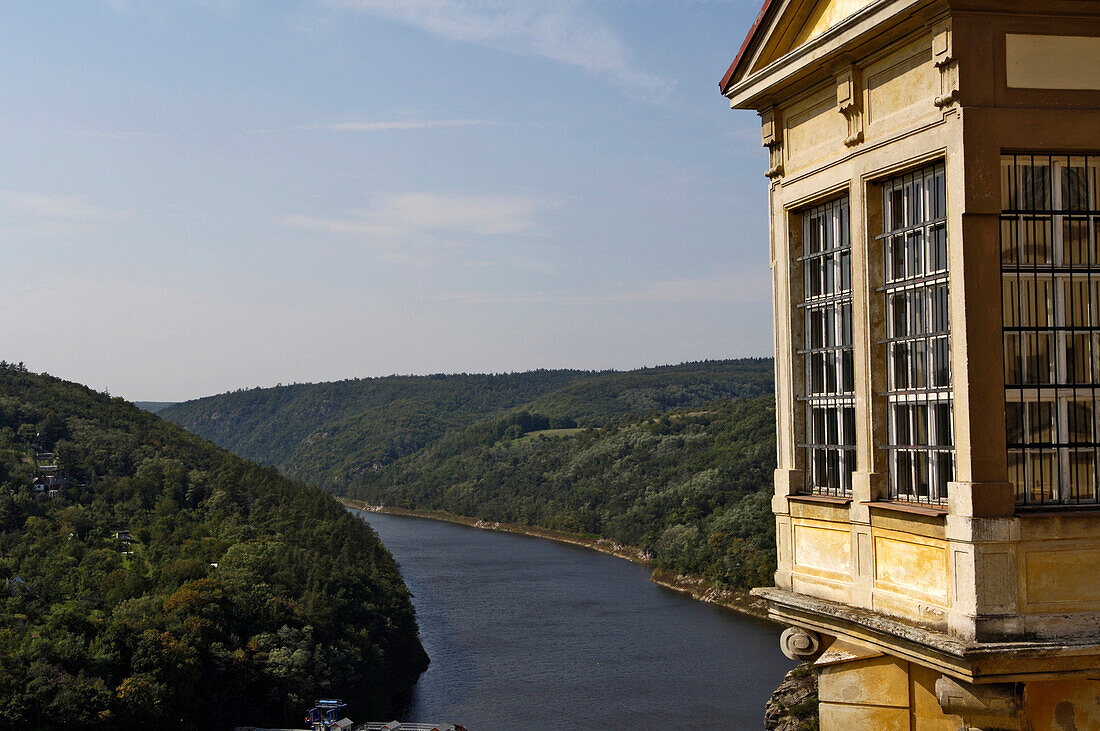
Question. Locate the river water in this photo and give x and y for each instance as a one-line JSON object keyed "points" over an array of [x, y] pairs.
{"points": [[526, 633]]}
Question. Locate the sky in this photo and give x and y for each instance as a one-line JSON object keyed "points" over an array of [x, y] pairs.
{"points": [[203, 195]]}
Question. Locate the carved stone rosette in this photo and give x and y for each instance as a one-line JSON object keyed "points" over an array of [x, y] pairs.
{"points": [[798, 644]]}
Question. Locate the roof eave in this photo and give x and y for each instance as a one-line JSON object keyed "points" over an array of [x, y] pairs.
{"points": [[814, 56], [727, 80]]}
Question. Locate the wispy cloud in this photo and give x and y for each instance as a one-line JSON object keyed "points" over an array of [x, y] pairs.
{"points": [[729, 288], [39, 213], [398, 215], [396, 125], [561, 31]]}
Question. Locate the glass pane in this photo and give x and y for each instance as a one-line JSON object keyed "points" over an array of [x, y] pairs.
{"points": [[895, 209], [817, 328], [1034, 234], [1040, 422], [902, 432], [903, 473], [1014, 423], [817, 373], [897, 258], [1038, 364], [1037, 302], [937, 249], [849, 415], [899, 308], [1082, 475], [944, 473], [914, 244], [944, 435], [1075, 294], [1075, 241], [921, 474], [1041, 476], [920, 425], [1013, 360], [941, 309], [813, 277], [1075, 190], [900, 362], [919, 361], [1078, 358], [1017, 473], [1079, 421], [918, 312], [1009, 243], [1034, 186]]}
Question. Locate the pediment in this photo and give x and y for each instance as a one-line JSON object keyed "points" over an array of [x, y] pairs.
{"points": [[785, 25]]}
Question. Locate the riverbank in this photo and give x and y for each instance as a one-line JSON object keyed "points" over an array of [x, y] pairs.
{"points": [[696, 587]]}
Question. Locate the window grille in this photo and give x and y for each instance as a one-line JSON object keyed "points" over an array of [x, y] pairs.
{"points": [[829, 451], [920, 419], [1050, 267]]}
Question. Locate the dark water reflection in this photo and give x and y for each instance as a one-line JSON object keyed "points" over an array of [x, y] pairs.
{"points": [[526, 633]]}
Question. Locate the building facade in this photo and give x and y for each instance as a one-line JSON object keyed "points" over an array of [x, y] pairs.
{"points": [[934, 187]]}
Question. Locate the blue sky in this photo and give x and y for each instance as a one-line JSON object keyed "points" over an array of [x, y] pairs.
{"points": [[202, 195]]}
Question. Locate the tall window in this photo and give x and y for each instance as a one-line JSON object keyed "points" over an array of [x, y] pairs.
{"points": [[827, 308], [1050, 265], [918, 344]]}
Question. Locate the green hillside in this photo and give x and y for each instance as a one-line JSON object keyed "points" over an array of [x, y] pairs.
{"points": [[329, 433], [166, 582], [153, 406], [692, 487]]}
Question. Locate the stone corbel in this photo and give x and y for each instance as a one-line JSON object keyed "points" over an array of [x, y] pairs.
{"points": [[848, 95], [993, 706], [773, 140], [943, 58]]}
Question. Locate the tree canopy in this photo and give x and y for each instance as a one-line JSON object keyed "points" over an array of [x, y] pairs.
{"points": [[171, 583]]}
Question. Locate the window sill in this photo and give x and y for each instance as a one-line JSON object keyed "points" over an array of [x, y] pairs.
{"points": [[936, 511], [1060, 511], [827, 499]]}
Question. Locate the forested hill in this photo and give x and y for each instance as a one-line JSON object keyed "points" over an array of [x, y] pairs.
{"points": [[329, 433], [150, 579], [692, 487]]}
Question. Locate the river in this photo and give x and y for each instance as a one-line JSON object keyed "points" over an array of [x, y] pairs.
{"points": [[526, 633]]}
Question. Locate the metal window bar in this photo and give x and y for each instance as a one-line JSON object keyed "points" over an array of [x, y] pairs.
{"points": [[1050, 268], [828, 446], [919, 393]]}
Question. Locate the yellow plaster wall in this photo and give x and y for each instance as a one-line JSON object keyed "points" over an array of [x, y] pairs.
{"points": [[912, 565], [1063, 705], [1061, 576], [823, 547], [887, 693], [814, 129], [925, 713], [900, 88], [825, 15], [1052, 62], [865, 694]]}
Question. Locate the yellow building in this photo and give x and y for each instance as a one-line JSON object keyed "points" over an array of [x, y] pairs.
{"points": [[935, 237]]}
